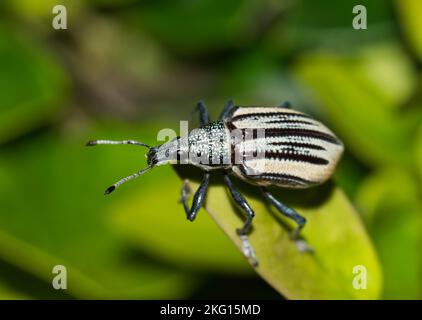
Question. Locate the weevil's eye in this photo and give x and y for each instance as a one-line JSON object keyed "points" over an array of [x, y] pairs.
{"points": [[167, 153], [152, 156]]}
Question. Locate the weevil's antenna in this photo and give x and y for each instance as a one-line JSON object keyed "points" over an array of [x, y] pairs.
{"points": [[95, 142], [120, 182]]}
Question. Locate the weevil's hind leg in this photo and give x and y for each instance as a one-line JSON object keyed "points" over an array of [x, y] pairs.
{"points": [[241, 201], [247, 249], [228, 108], [286, 105], [292, 214], [198, 198], [204, 117]]}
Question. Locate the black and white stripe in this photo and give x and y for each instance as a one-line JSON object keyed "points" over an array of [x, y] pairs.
{"points": [[298, 151]]}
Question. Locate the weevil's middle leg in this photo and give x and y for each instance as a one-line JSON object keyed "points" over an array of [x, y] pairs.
{"points": [[241, 201], [198, 198], [247, 249], [292, 214]]}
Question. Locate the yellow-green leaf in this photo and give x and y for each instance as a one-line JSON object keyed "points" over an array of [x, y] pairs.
{"points": [[33, 86], [418, 152], [391, 206], [8, 293], [334, 230], [410, 19]]}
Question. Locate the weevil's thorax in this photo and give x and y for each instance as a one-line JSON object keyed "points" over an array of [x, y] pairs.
{"points": [[207, 147]]}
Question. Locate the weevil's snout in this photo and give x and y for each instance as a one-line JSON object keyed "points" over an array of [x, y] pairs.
{"points": [[167, 153]]}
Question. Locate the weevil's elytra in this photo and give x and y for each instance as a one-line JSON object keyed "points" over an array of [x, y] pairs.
{"points": [[295, 151], [299, 151]]}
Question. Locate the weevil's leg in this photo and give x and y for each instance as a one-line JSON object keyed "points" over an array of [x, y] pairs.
{"points": [[292, 214], [240, 200], [198, 198], [286, 105], [185, 191], [247, 249], [204, 117], [287, 211], [228, 108], [95, 142]]}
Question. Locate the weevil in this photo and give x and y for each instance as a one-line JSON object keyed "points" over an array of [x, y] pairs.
{"points": [[296, 151]]}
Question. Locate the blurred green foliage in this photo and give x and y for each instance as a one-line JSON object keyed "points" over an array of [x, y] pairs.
{"points": [[128, 68]]}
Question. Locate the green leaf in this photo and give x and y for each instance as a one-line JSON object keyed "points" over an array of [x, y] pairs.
{"points": [[42, 9], [8, 293], [418, 152], [390, 203], [32, 85], [328, 24], [349, 175], [204, 26], [256, 78], [53, 212], [334, 230], [390, 73], [409, 13]]}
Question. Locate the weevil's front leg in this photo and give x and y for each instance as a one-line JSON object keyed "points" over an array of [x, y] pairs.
{"points": [[241, 201], [228, 108], [204, 117], [292, 214], [198, 198]]}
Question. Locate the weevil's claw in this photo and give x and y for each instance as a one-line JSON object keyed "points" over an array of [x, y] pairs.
{"points": [[248, 250], [294, 235], [303, 246], [185, 191]]}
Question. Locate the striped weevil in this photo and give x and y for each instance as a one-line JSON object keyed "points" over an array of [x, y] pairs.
{"points": [[296, 151]]}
